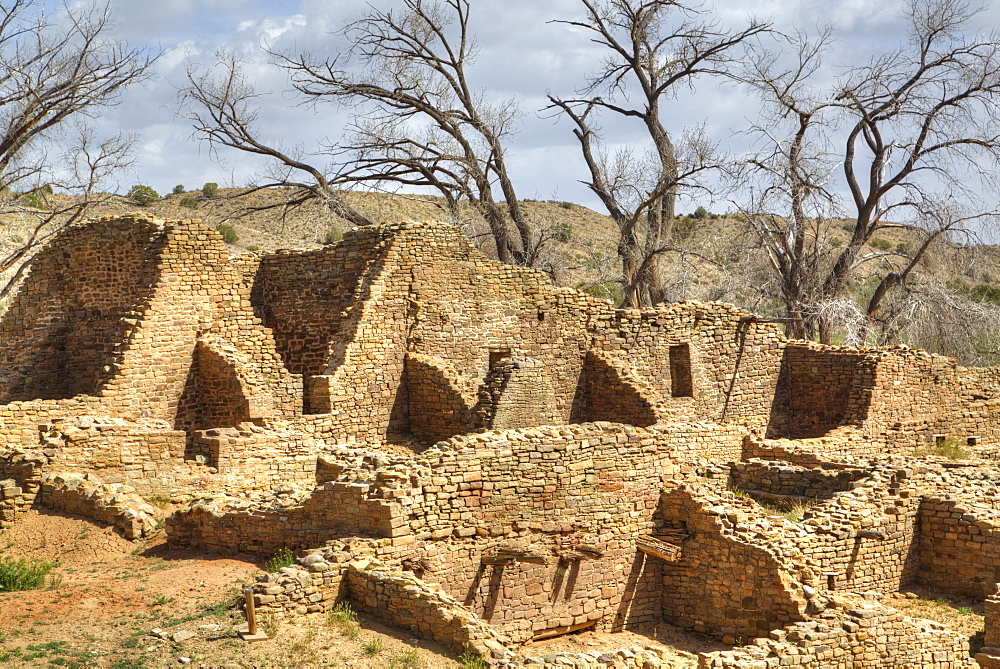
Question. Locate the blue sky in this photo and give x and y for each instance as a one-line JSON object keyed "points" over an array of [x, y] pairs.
{"points": [[522, 56]]}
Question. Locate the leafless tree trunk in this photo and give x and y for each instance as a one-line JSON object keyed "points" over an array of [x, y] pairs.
{"points": [[401, 70], [654, 46]]}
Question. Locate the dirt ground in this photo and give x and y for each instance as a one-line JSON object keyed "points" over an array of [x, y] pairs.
{"points": [[108, 595]]}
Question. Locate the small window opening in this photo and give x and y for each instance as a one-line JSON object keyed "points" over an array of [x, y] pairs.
{"points": [[681, 383], [831, 580], [498, 356], [972, 440]]}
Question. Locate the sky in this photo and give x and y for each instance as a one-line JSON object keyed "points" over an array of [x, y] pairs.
{"points": [[523, 55]]}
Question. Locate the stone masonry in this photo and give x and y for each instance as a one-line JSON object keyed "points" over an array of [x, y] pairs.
{"points": [[467, 451]]}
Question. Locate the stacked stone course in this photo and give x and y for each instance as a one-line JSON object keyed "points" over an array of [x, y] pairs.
{"points": [[513, 460]]}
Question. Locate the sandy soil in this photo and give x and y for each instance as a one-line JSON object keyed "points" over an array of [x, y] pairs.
{"points": [[109, 593]]}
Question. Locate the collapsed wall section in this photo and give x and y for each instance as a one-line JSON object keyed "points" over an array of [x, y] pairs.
{"points": [[721, 581], [866, 635]]}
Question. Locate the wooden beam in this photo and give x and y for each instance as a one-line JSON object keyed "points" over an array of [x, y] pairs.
{"points": [[657, 548], [558, 631]]}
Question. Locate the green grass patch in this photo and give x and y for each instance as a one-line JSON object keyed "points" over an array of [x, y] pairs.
{"points": [[283, 558], [950, 448], [23, 574]]}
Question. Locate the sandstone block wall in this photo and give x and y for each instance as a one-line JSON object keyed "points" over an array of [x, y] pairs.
{"points": [[827, 387], [959, 547], [773, 481], [864, 539], [548, 495], [724, 582], [85, 293], [868, 635], [303, 296], [113, 504]]}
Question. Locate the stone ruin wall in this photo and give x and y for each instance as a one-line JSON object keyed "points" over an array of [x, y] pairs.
{"points": [[225, 373], [156, 292], [543, 492], [865, 635], [447, 316]]}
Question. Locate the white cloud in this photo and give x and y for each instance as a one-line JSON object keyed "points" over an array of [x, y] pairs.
{"points": [[522, 55]]}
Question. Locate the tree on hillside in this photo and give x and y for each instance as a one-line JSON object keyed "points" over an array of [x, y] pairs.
{"points": [[54, 75], [653, 47], [419, 121], [913, 131]]}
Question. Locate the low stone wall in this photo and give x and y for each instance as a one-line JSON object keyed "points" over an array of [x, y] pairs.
{"points": [[253, 457], [148, 457], [869, 635], [20, 480], [959, 547], [403, 600], [327, 576], [822, 452], [13, 501], [114, 504], [464, 486], [779, 480], [865, 539], [733, 575]]}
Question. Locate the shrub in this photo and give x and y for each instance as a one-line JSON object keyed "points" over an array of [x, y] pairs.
{"points": [[881, 244], [470, 660], [178, 189], [408, 659], [949, 448], [345, 618], [283, 558], [23, 574], [566, 205], [341, 613], [253, 248], [143, 194], [229, 236], [373, 646], [34, 200], [332, 236], [210, 189], [562, 232], [189, 202], [269, 623], [700, 212]]}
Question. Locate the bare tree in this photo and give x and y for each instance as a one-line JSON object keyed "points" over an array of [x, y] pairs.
{"points": [[419, 122], [54, 75], [786, 185], [221, 104], [653, 48], [917, 126]]}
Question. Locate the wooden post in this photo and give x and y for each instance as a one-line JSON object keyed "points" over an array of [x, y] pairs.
{"points": [[251, 614], [250, 633]]}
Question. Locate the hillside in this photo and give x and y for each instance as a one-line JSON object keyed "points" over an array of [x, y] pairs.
{"points": [[719, 259]]}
